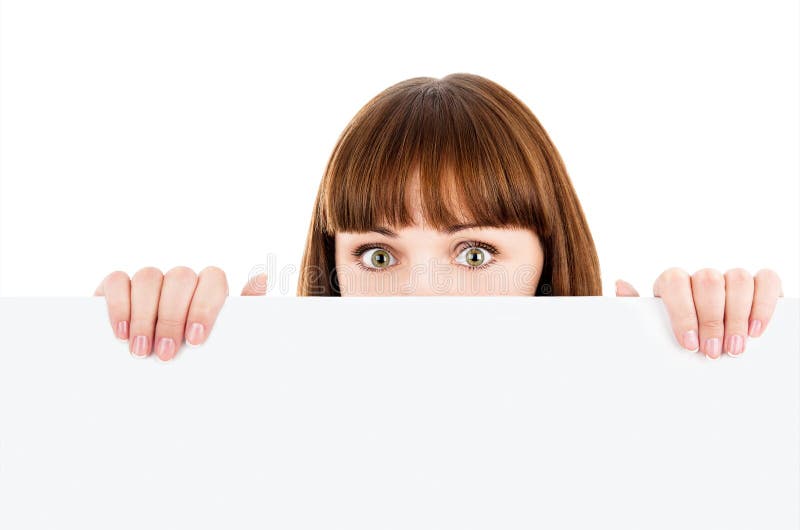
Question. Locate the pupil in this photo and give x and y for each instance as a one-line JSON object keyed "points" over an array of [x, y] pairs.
{"points": [[475, 256], [379, 258]]}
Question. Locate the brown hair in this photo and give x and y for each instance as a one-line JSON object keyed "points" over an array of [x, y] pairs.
{"points": [[470, 139]]}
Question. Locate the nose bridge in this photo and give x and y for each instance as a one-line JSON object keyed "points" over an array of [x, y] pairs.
{"points": [[426, 275], [426, 262]]}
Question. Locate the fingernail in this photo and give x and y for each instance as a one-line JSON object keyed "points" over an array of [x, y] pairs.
{"points": [[735, 346], [755, 328], [195, 335], [141, 346], [712, 348], [690, 340], [165, 349], [122, 330]]}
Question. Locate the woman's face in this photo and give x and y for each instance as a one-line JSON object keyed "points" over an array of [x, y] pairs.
{"points": [[417, 260]]}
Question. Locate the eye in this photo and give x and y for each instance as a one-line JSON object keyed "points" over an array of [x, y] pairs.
{"points": [[377, 258], [475, 257]]}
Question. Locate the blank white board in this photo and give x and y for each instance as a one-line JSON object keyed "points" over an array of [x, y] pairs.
{"points": [[399, 412]]}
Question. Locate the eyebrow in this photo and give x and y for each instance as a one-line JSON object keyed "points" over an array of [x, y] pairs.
{"points": [[450, 229]]}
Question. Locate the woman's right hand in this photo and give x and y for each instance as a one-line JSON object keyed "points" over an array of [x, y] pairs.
{"points": [[162, 309]]}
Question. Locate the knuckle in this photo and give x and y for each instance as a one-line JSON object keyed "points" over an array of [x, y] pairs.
{"points": [[670, 278], [117, 308], [682, 327], [181, 274], [205, 314], [172, 324], [147, 274], [708, 278], [141, 326], [214, 270], [768, 277], [117, 276], [687, 319], [673, 275], [767, 274], [215, 274], [713, 325], [761, 308], [736, 324], [737, 276]]}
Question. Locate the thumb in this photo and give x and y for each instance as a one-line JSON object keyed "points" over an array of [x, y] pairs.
{"points": [[256, 286], [625, 289]]}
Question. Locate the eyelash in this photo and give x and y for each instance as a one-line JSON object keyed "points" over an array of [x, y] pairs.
{"points": [[359, 251]]}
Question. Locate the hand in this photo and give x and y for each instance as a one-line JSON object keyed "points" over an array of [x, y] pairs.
{"points": [[163, 304], [728, 308]]}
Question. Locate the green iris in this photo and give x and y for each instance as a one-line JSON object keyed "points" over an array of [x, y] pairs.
{"points": [[380, 258], [475, 257]]}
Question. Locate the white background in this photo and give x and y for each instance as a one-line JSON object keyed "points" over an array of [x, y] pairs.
{"points": [[195, 133]]}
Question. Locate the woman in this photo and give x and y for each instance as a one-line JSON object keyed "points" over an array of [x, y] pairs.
{"points": [[444, 187]]}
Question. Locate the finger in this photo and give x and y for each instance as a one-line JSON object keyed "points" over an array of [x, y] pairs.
{"points": [[116, 287], [674, 287], [256, 286], [209, 297], [173, 306], [767, 291], [738, 301], [708, 291], [625, 289], [145, 293]]}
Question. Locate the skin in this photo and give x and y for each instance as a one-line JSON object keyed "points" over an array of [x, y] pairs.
{"points": [[428, 262], [708, 310]]}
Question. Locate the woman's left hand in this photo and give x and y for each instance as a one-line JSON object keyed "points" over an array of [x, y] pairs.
{"points": [[725, 308]]}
